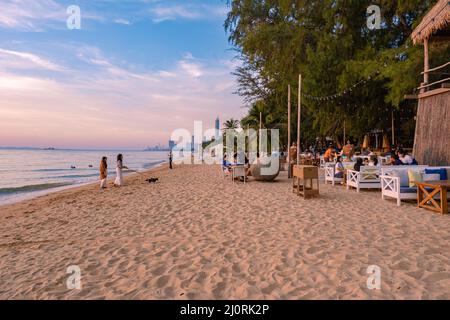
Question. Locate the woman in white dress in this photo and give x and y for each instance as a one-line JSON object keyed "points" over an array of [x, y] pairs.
{"points": [[119, 179]]}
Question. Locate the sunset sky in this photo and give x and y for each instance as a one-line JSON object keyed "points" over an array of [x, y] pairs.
{"points": [[137, 70]]}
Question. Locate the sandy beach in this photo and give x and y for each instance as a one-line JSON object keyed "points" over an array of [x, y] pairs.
{"points": [[196, 236]]}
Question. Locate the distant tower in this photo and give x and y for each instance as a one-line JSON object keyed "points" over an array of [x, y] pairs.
{"points": [[171, 144], [217, 127]]}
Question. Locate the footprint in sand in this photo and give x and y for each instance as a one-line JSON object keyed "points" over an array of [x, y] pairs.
{"points": [[201, 277], [159, 271], [162, 281], [313, 250], [219, 290]]}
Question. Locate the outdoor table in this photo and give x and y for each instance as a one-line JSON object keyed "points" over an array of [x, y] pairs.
{"points": [[238, 170], [427, 190], [303, 182]]}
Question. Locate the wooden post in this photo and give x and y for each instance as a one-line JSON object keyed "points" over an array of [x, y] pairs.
{"points": [[289, 132], [426, 65], [393, 128], [260, 131], [345, 141], [299, 116]]}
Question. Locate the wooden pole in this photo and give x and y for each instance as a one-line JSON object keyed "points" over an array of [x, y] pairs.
{"points": [[345, 140], [426, 65], [260, 131], [426, 62], [299, 116], [289, 132], [393, 128]]}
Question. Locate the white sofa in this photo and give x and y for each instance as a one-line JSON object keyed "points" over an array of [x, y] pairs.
{"points": [[395, 182]]}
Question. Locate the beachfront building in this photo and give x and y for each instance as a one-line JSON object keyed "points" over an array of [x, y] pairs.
{"points": [[433, 114]]}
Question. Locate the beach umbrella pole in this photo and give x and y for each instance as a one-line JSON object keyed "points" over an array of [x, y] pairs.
{"points": [[289, 132], [299, 116]]}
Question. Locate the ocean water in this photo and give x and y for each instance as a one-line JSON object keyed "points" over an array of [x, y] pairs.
{"points": [[28, 173]]}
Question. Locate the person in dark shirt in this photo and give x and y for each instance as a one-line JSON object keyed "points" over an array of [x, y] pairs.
{"points": [[358, 164], [395, 160]]}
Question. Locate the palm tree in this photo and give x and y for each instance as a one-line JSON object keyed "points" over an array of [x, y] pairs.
{"points": [[231, 124]]}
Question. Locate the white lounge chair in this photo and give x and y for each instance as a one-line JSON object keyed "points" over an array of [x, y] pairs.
{"points": [[367, 178], [395, 182], [330, 171]]}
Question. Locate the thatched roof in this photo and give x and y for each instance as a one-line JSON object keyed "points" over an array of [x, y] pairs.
{"points": [[438, 18]]}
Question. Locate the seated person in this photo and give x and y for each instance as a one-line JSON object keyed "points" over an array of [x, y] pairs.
{"points": [[373, 161], [366, 161], [358, 164], [339, 168], [395, 161], [226, 164], [405, 158]]}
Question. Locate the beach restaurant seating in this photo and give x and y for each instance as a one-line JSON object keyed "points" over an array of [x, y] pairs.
{"points": [[367, 178], [330, 171], [395, 182]]}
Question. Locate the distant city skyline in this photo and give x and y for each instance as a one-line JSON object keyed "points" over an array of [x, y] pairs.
{"points": [[135, 72]]}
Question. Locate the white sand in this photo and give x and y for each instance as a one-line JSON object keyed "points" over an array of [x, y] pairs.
{"points": [[196, 236]]}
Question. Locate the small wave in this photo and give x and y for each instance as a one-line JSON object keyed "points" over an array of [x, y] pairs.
{"points": [[152, 164], [75, 176], [31, 188], [57, 170]]}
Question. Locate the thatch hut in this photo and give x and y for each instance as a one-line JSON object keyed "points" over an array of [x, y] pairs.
{"points": [[432, 137]]}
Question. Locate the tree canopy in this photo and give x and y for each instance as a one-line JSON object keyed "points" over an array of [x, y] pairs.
{"points": [[351, 73]]}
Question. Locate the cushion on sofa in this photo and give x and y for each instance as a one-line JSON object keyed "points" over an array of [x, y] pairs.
{"points": [[403, 175], [414, 176], [431, 177], [408, 190], [441, 171]]}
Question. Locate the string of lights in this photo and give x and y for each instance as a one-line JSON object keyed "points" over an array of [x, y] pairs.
{"points": [[342, 93], [349, 89]]}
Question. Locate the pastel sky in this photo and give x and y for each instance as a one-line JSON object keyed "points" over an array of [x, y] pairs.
{"points": [[134, 72]]}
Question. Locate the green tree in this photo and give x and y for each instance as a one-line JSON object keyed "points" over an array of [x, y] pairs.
{"points": [[363, 74]]}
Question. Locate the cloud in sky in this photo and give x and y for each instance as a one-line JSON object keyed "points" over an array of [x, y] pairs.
{"points": [[189, 11], [125, 80], [122, 21], [29, 15], [18, 59], [40, 15], [111, 106]]}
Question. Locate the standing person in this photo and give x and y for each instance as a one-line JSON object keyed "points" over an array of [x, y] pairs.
{"points": [[329, 154], [170, 160], [119, 167], [348, 151], [293, 153], [103, 172], [292, 158]]}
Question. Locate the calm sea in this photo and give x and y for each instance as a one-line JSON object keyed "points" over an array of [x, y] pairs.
{"points": [[29, 173]]}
